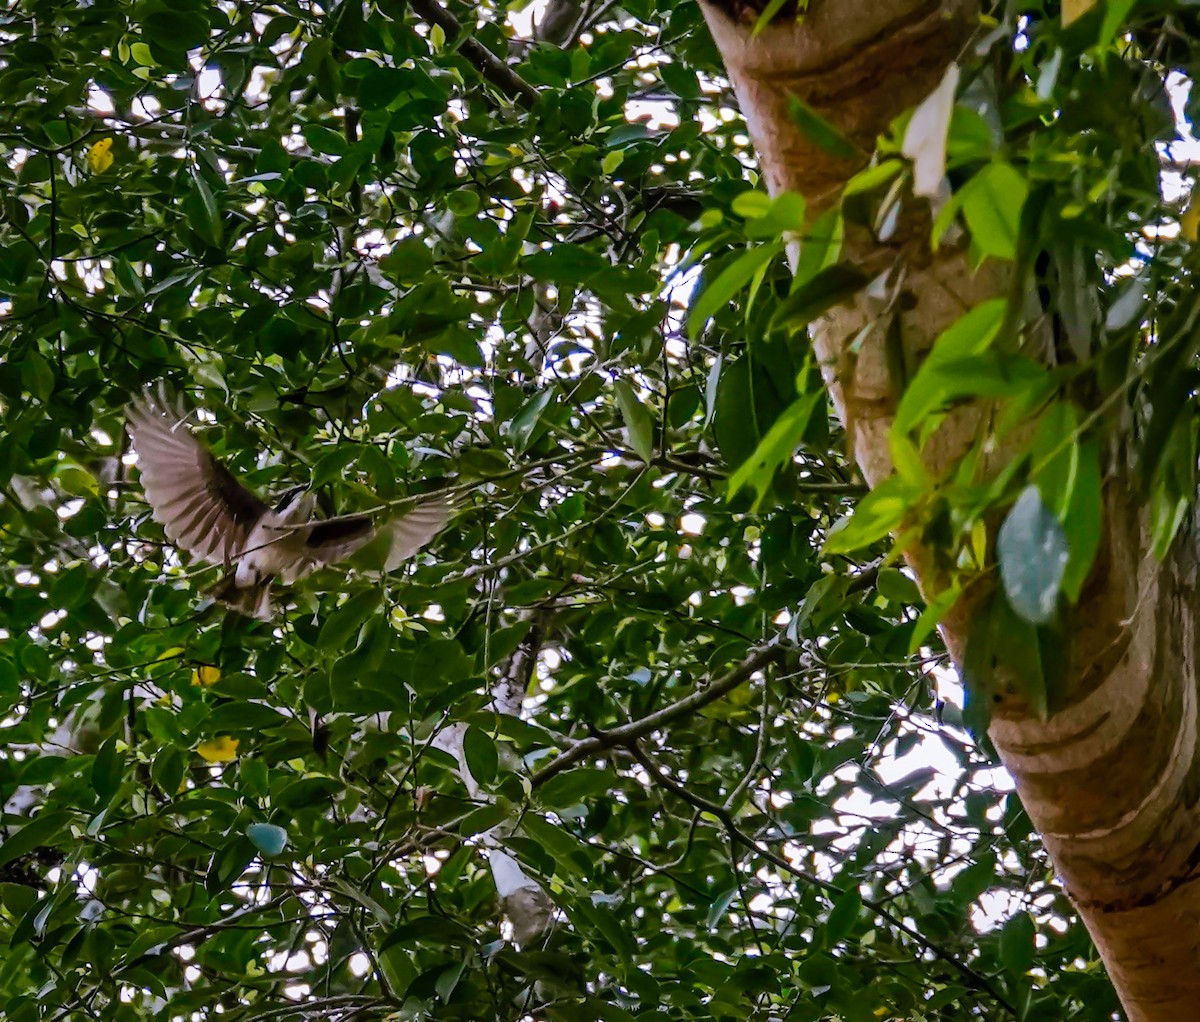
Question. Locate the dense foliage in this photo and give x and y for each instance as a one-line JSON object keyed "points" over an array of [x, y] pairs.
{"points": [[390, 257]]}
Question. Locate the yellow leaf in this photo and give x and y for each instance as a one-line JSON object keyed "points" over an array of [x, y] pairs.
{"points": [[206, 676], [979, 540], [218, 750], [1072, 9], [100, 157], [1189, 223]]}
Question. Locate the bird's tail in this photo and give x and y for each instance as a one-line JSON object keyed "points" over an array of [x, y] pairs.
{"points": [[253, 601]]}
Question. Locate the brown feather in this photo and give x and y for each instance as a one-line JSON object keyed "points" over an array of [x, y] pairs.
{"points": [[326, 539], [412, 531], [197, 500]]}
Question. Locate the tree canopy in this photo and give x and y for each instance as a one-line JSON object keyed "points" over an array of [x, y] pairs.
{"points": [[390, 248]]}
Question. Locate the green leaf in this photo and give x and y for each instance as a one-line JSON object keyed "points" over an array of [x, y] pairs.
{"points": [[567, 265], [379, 88], [409, 260], [1055, 457], [820, 247], [907, 461], [479, 750], [768, 14], [934, 383], [325, 140], [612, 161], [108, 768], [786, 214], [448, 980], [1017, 944], [801, 759], [395, 962], [333, 464], [167, 769], [175, 30], [572, 857], [10, 685], [749, 399], [1166, 516], [711, 389], [205, 214], [729, 282], [76, 481], [872, 177], [719, 907], [934, 611], [269, 839], [897, 587], [991, 205], [1032, 551], [752, 204], [36, 375], [526, 421], [41, 830], [345, 622], [483, 819], [775, 449], [1018, 649], [879, 513], [1115, 13], [141, 53], [1082, 519], [464, 202], [572, 787], [605, 922], [979, 670], [637, 420], [842, 917], [305, 792]]}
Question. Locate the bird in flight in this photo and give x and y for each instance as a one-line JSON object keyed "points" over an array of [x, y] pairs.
{"points": [[204, 509]]}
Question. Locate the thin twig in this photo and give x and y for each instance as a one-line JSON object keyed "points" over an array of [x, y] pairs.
{"points": [[490, 67], [975, 979], [684, 707]]}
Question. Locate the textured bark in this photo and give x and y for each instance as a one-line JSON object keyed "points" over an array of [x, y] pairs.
{"points": [[1111, 780]]}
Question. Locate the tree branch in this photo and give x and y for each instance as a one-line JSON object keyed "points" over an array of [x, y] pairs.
{"points": [[684, 707], [973, 978], [489, 66]]}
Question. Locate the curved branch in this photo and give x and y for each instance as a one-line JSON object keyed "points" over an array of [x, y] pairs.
{"points": [[725, 817], [684, 707], [490, 67]]}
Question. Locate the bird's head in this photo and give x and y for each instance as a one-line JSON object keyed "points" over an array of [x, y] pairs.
{"points": [[296, 505]]}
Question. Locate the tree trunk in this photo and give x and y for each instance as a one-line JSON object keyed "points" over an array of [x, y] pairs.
{"points": [[1111, 780]]}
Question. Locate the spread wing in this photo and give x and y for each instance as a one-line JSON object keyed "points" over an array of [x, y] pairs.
{"points": [[200, 504], [333, 541], [412, 531]]}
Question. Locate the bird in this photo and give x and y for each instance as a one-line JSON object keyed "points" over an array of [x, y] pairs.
{"points": [[206, 511]]}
